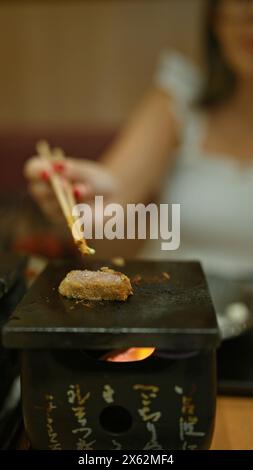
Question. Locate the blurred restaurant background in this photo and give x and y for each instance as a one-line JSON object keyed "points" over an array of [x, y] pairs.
{"points": [[71, 72]]}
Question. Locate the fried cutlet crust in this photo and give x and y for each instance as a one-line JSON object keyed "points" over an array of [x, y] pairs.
{"points": [[105, 284]]}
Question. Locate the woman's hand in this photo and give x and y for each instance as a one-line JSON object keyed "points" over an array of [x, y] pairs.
{"points": [[87, 178], [131, 169]]}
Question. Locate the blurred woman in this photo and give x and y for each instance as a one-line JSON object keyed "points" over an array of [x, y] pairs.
{"points": [[191, 140]]}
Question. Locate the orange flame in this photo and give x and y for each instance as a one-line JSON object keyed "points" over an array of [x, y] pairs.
{"points": [[129, 355]]}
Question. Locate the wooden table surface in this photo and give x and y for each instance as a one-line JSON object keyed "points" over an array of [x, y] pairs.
{"points": [[234, 424]]}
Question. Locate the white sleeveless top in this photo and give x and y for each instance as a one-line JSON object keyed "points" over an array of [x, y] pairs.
{"points": [[216, 196]]}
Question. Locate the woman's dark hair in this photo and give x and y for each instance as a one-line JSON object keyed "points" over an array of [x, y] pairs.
{"points": [[220, 81]]}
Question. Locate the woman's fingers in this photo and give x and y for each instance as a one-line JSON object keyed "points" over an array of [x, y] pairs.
{"points": [[83, 192], [84, 173], [43, 195], [37, 169], [40, 190], [92, 174], [88, 179]]}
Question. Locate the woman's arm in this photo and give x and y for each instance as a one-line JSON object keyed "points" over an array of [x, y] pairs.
{"points": [[132, 168], [144, 148]]}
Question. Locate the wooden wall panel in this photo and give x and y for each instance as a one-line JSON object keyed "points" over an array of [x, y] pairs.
{"points": [[85, 63]]}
